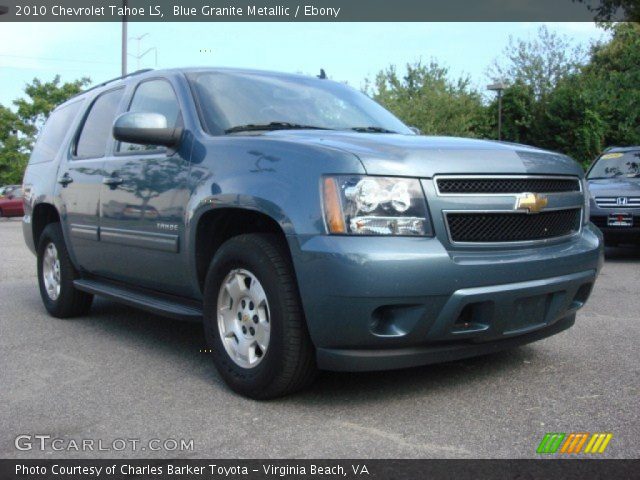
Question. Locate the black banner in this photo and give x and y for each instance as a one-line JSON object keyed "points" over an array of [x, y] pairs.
{"points": [[314, 10], [320, 469]]}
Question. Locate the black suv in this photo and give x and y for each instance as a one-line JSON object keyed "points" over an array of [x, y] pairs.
{"points": [[614, 184]]}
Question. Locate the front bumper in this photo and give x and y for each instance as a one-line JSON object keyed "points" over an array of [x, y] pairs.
{"points": [[376, 303], [617, 234]]}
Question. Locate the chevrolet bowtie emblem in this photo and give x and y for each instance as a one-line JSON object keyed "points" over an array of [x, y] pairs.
{"points": [[531, 202]]}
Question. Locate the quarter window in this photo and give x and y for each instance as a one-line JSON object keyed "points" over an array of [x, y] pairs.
{"points": [[153, 96], [97, 128], [53, 133]]}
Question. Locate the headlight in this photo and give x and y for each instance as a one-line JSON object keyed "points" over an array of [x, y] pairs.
{"points": [[587, 200], [362, 205]]}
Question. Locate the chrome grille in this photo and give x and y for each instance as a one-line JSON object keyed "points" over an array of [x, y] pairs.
{"points": [[494, 227], [618, 202]]}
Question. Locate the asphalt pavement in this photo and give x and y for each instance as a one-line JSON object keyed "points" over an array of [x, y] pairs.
{"points": [[124, 374]]}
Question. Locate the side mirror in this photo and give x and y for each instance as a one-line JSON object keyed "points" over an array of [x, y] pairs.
{"points": [[415, 130], [146, 129]]}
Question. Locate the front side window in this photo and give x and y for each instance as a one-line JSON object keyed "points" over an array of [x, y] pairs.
{"points": [[231, 100], [53, 133], [97, 128], [154, 96], [616, 164]]}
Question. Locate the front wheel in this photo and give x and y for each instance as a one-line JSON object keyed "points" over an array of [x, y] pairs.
{"points": [[56, 274], [253, 319]]}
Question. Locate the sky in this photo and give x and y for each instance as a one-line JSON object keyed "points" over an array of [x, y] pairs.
{"points": [[348, 52]]}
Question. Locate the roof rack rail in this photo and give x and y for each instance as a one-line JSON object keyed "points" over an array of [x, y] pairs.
{"points": [[619, 147], [102, 84]]}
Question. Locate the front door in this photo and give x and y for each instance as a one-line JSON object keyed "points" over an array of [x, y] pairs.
{"points": [[143, 200]]}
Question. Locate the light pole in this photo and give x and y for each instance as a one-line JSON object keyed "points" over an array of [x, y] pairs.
{"points": [[124, 37], [498, 87]]}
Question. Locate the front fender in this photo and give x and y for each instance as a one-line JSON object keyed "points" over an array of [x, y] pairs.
{"points": [[277, 178], [273, 177]]}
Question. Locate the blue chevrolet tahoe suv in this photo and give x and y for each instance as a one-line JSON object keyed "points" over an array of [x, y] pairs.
{"points": [[303, 224]]}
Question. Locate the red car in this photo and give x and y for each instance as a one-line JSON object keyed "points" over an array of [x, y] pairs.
{"points": [[11, 204]]}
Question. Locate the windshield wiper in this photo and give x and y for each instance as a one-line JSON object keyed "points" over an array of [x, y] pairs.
{"points": [[372, 130], [251, 127]]}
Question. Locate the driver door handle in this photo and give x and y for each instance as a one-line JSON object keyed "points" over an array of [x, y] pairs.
{"points": [[113, 181]]}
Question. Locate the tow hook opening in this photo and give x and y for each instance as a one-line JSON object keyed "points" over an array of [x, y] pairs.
{"points": [[474, 317]]}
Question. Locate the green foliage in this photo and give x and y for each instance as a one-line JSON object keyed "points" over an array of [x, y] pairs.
{"points": [[558, 97], [19, 129], [612, 79], [43, 97], [424, 97], [572, 123], [539, 63], [518, 113], [13, 149], [608, 10]]}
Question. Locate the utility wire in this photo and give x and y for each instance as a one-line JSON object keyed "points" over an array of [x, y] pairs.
{"points": [[24, 57]]}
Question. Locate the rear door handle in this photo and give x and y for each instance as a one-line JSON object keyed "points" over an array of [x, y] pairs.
{"points": [[113, 181], [65, 179]]}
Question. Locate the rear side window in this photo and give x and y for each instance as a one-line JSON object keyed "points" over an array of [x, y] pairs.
{"points": [[153, 96], [97, 128], [53, 133]]}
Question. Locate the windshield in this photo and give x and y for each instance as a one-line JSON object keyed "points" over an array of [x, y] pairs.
{"points": [[619, 164], [231, 100]]}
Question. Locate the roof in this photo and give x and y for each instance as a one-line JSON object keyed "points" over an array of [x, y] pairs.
{"points": [[186, 70], [622, 149]]}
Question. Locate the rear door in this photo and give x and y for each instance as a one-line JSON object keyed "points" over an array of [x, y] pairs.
{"points": [[143, 202], [80, 178]]}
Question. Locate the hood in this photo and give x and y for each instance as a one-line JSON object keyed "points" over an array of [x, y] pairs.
{"points": [[423, 156], [615, 187]]}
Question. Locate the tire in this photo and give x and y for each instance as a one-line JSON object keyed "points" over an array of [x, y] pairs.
{"points": [[69, 302], [288, 364]]}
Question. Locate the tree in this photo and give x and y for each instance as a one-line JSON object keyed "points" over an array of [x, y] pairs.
{"points": [[426, 98], [539, 63], [43, 97], [518, 113], [19, 129], [572, 123], [562, 100], [612, 79], [13, 149], [609, 10]]}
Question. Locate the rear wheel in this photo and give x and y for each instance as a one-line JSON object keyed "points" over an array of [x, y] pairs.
{"points": [[253, 319], [56, 274]]}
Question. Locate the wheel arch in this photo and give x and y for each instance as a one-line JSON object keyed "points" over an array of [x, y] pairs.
{"points": [[216, 226], [43, 214]]}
